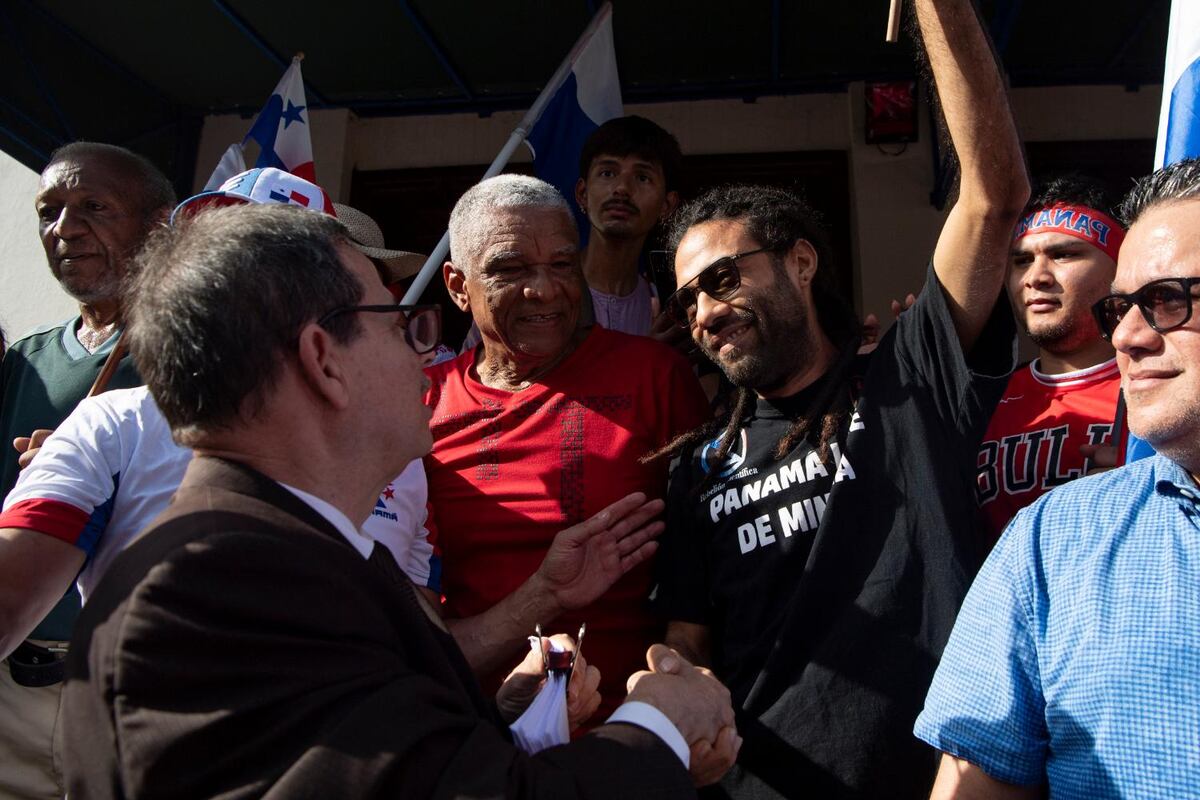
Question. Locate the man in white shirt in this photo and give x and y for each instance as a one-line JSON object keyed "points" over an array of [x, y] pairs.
{"points": [[111, 467]]}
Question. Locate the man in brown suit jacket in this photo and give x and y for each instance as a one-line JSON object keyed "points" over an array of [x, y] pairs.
{"points": [[252, 642]]}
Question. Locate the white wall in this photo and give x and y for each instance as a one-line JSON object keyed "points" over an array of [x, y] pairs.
{"points": [[29, 295]]}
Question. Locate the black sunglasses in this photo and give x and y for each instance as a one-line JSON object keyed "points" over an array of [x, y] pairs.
{"points": [[719, 280], [422, 324], [1165, 304]]}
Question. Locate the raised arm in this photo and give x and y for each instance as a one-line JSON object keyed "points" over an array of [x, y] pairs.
{"points": [[972, 251]]}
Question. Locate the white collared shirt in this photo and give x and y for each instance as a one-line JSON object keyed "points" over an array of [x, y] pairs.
{"points": [[337, 519]]}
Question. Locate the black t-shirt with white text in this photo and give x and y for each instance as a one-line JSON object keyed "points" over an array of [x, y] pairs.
{"points": [[763, 514], [831, 585]]}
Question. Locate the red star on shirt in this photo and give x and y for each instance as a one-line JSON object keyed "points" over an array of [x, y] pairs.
{"points": [[388, 494]]}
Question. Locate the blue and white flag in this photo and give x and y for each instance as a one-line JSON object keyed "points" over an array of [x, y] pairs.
{"points": [[281, 130], [1179, 120], [582, 94], [587, 95]]}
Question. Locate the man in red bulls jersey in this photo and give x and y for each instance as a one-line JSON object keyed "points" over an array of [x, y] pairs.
{"points": [[1063, 260]]}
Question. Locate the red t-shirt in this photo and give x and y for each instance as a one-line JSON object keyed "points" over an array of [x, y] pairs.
{"points": [[1032, 442], [509, 470]]}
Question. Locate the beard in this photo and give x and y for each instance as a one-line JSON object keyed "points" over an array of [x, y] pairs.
{"points": [[88, 287], [778, 320], [1065, 336], [1050, 337]]}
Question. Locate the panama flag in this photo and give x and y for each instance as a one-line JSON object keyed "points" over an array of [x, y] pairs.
{"points": [[1179, 120], [281, 130], [583, 94]]}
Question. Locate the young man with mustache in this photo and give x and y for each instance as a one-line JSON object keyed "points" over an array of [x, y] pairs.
{"points": [[627, 178], [1058, 408]]}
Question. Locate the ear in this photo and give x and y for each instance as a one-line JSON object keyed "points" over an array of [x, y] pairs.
{"points": [[669, 205], [456, 286], [321, 367], [805, 256], [581, 194]]}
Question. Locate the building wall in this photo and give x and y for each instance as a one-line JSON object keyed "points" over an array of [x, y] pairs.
{"points": [[894, 226], [29, 295]]}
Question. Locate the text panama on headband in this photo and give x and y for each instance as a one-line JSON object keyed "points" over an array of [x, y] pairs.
{"points": [[1089, 224]]}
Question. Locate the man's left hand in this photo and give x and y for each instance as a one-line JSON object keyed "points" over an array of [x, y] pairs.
{"points": [[586, 559], [524, 682]]}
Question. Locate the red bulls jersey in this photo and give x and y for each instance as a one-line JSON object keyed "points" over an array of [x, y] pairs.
{"points": [[1032, 442]]}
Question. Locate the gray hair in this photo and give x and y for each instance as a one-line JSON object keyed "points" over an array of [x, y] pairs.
{"points": [[154, 190], [1171, 184], [215, 305], [470, 220]]}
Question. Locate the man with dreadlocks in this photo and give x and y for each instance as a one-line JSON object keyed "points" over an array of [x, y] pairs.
{"points": [[821, 536]]}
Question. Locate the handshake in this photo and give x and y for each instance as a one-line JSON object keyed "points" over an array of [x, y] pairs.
{"points": [[695, 702]]}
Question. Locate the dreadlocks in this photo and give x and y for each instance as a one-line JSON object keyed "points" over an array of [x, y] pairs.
{"points": [[776, 219]]}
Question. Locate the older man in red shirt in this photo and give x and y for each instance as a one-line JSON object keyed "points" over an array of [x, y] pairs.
{"points": [[540, 427]]}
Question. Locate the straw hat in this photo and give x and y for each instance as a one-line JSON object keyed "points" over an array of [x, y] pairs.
{"points": [[369, 240]]}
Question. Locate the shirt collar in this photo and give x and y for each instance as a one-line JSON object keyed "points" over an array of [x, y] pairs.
{"points": [[76, 350], [337, 519], [1175, 481]]}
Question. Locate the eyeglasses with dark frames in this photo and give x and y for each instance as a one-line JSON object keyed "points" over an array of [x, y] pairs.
{"points": [[1165, 304], [719, 280], [422, 324]]}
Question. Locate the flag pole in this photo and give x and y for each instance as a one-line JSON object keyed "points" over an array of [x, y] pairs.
{"points": [[438, 257], [100, 385], [893, 26]]}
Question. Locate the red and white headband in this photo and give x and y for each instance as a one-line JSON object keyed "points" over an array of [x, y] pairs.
{"points": [[1089, 224]]}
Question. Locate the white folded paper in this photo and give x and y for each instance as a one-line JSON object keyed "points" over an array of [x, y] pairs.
{"points": [[544, 723]]}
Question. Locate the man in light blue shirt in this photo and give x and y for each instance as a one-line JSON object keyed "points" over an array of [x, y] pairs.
{"points": [[1074, 666]]}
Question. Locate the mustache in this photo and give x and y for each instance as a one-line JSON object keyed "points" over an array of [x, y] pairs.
{"points": [[622, 204], [736, 318]]}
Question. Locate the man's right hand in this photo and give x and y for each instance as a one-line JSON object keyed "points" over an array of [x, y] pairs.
{"points": [[28, 446], [691, 697], [583, 562], [586, 559]]}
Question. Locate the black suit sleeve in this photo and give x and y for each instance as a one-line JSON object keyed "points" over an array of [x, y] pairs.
{"points": [[249, 666]]}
